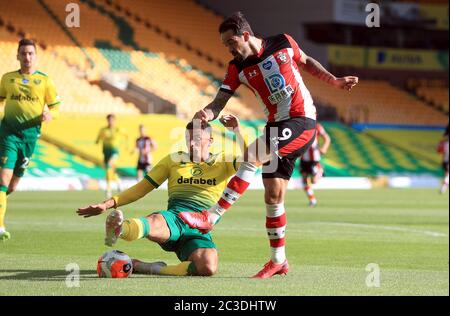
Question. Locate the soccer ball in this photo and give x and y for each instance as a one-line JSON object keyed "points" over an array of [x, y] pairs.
{"points": [[114, 264]]}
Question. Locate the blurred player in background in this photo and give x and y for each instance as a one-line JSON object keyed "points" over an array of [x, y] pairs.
{"points": [[270, 68], [145, 145], [310, 167], [196, 179], [30, 98], [111, 137], [443, 149]]}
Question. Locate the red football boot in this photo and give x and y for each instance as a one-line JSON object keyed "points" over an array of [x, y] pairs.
{"points": [[271, 268], [199, 220]]}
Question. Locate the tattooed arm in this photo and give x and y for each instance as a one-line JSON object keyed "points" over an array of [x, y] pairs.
{"points": [[317, 70], [212, 110]]}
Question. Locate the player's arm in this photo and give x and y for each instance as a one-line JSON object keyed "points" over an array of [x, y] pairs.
{"points": [[231, 122], [128, 196], [153, 145], [2, 89], [227, 89], [212, 110], [317, 70], [51, 110], [326, 142], [151, 181]]}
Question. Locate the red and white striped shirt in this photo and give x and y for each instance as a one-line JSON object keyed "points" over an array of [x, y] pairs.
{"points": [[313, 153], [274, 78], [144, 145]]}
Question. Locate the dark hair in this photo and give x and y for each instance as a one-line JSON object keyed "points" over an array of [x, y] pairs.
{"points": [[26, 42], [110, 116], [203, 126], [236, 22]]}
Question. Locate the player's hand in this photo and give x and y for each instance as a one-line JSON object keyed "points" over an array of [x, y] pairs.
{"points": [[346, 83], [230, 121], [323, 151], [92, 210], [46, 116], [201, 115]]}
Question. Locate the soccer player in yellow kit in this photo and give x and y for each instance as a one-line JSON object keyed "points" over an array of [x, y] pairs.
{"points": [[30, 98], [196, 179], [111, 137]]}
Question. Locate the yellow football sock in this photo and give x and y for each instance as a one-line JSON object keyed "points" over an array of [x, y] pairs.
{"points": [[135, 228], [2, 206], [108, 179], [182, 269]]}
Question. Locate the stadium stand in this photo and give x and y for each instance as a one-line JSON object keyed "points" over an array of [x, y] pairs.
{"points": [[375, 101], [434, 92], [158, 47], [359, 153], [78, 94], [110, 52]]}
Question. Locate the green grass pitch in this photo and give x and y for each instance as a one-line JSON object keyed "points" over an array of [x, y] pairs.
{"points": [[404, 232]]}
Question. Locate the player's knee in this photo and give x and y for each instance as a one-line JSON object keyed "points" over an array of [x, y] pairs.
{"points": [[154, 220], [11, 189], [206, 268], [273, 196]]}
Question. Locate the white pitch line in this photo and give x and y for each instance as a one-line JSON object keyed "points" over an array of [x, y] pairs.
{"points": [[344, 224], [87, 225], [392, 228]]}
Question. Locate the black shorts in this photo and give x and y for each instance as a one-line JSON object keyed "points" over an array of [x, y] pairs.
{"points": [[144, 166], [288, 140], [309, 168], [445, 166]]}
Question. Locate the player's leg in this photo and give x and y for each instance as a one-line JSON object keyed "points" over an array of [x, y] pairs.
{"points": [[275, 185], [198, 255], [108, 171], [282, 139], [140, 173], [113, 167], [275, 190], [9, 149], [110, 167], [256, 154], [306, 172], [205, 260], [13, 184], [5, 178], [444, 186]]}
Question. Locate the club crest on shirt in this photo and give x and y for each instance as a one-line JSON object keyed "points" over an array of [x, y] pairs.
{"points": [[196, 171], [37, 81], [281, 56]]}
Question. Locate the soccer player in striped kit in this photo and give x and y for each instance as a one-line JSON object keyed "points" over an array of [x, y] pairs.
{"points": [[270, 68], [310, 167], [145, 145], [443, 149]]}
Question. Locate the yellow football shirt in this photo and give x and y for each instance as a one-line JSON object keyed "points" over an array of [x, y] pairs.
{"points": [[111, 137], [25, 97], [193, 186]]}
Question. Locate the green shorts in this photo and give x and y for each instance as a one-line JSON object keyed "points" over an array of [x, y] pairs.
{"points": [[108, 154], [183, 239], [15, 152]]}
